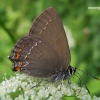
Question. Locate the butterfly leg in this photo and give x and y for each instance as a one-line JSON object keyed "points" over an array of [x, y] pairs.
{"points": [[69, 83], [37, 83], [61, 84]]}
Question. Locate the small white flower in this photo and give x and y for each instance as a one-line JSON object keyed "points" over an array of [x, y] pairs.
{"points": [[43, 93], [51, 98], [85, 97], [23, 84], [7, 97], [52, 90], [20, 97], [58, 94]]}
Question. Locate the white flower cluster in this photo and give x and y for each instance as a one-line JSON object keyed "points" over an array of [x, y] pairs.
{"points": [[19, 87]]}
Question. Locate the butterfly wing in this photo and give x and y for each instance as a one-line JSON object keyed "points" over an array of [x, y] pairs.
{"points": [[49, 27], [45, 50], [31, 55]]}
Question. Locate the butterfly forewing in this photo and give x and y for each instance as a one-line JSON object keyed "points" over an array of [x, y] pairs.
{"points": [[49, 27]]}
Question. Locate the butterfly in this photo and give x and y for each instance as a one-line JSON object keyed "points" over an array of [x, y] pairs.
{"points": [[44, 52]]}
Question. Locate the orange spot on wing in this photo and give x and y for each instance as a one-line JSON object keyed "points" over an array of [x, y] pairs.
{"points": [[20, 64], [20, 50], [18, 55], [23, 46], [18, 68]]}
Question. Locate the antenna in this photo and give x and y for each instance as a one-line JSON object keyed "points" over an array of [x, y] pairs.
{"points": [[88, 74]]}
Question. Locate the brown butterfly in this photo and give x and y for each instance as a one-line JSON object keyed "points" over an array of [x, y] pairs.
{"points": [[44, 52]]}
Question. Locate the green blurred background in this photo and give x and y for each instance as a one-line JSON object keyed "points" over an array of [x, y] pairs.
{"points": [[16, 17]]}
